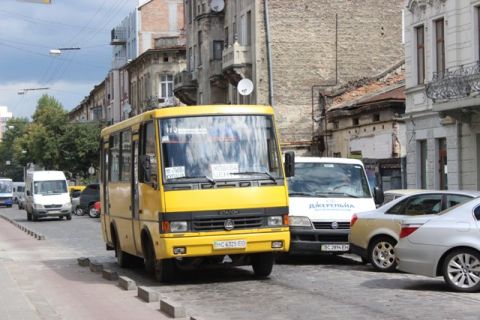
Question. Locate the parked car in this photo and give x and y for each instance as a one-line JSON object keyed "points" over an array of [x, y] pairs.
{"points": [[18, 191], [445, 245], [88, 197], [374, 234], [75, 192]]}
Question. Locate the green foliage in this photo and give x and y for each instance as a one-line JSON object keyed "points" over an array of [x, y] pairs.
{"points": [[51, 142], [16, 127]]}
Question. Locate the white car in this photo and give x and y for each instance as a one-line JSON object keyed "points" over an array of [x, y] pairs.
{"points": [[374, 234], [445, 245]]}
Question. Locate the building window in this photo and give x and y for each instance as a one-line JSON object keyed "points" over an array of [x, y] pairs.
{"points": [[442, 163], [217, 49], [422, 159], [420, 40], [440, 46], [188, 5], [477, 10], [246, 29], [166, 86], [199, 48], [226, 37], [376, 117], [355, 121], [190, 59]]}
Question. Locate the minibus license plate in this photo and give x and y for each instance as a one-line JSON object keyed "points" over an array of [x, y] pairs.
{"points": [[335, 247], [230, 244]]}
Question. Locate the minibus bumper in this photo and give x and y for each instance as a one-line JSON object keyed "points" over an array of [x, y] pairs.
{"points": [[224, 244]]}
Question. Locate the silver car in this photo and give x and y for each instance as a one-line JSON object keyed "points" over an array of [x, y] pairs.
{"points": [[374, 234], [445, 245]]}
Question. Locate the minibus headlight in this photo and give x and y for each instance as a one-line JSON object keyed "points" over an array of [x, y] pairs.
{"points": [[178, 226], [296, 221], [275, 221], [37, 206]]}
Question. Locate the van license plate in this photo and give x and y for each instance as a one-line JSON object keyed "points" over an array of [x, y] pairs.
{"points": [[335, 247], [230, 244]]}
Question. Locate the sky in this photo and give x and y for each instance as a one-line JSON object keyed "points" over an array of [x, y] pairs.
{"points": [[29, 30]]}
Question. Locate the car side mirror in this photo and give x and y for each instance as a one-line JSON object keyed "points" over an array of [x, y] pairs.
{"points": [[379, 196], [28, 193], [289, 164]]}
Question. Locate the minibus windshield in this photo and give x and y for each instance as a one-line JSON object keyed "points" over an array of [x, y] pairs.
{"points": [[213, 148], [329, 180], [6, 186], [49, 187]]}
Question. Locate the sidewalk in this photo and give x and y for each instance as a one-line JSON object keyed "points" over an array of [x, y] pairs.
{"points": [[38, 283]]}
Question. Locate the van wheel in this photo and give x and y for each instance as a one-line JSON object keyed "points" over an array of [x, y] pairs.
{"points": [[149, 258], [124, 259], [262, 264], [69, 217]]}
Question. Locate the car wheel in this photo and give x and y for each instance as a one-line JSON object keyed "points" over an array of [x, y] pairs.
{"points": [[461, 270], [382, 254], [69, 217], [262, 264], [79, 211], [92, 212]]}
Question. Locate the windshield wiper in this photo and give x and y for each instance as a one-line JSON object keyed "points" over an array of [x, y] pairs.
{"points": [[344, 193], [195, 177], [306, 194], [255, 173]]}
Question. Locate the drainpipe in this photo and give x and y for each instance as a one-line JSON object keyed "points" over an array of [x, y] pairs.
{"points": [[459, 154], [269, 54]]}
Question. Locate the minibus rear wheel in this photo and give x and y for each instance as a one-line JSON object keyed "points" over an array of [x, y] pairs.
{"points": [[262, 264]]}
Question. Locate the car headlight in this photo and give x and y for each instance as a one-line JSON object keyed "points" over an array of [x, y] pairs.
{"points": [[296, 221], [274, 221], [37, 206], [178, 226]]}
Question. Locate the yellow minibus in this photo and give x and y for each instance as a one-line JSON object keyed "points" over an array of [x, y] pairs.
{"points": [[185, 187]]}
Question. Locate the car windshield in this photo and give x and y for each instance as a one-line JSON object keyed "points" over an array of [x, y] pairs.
{"points": [[329, 180], [49, 187], [5, 186], [212, 148]]}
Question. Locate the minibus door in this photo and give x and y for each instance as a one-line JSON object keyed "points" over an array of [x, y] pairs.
{"points": [[135, 196]]}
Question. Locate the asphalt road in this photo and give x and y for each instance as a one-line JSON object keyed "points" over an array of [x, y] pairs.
{"points": [[326, 287]]}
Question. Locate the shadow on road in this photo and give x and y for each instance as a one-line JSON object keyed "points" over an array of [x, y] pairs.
{"points": [[407, 284]]}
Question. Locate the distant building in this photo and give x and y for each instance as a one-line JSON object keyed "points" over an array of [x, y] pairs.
{"points": [[5, 115], [442, 54]]}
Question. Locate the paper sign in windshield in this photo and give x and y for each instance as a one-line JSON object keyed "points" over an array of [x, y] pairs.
{"points": [[175, 172], [224, 170]]}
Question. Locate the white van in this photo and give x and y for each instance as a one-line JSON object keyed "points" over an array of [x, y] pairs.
{"points": [[46, 195], [324, 194], [18, 192]]}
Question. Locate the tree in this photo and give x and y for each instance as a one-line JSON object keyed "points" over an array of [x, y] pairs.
{"points": [[11, 162]]}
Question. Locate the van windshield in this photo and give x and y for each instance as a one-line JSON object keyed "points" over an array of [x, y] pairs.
{"points": [[219, 148], [50, 187], [329, 180]]}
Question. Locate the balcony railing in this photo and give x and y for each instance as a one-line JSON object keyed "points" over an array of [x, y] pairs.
{"points": [[119, 36], [454, 83], [236, 55]]}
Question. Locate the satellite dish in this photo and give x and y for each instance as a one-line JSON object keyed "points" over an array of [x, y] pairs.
{"points": [[245, 87], [217, 5]]}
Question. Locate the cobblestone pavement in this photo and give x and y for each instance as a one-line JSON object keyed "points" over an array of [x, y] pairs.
{"points": [[300, 288]]}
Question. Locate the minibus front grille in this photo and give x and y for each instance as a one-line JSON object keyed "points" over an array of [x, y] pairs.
{"points": [[216, 224], [52, 206]]}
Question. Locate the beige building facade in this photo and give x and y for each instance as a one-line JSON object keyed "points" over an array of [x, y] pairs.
{"points": [[292, 51]]}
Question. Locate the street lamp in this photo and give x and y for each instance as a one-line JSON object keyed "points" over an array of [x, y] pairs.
{"points": [[58, 51], [23, 91]]}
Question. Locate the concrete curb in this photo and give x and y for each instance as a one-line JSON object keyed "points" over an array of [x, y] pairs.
{"points": [[172, 309], [109, 274], [28, 231], [127, 283], [96, 266], [147, 294]]}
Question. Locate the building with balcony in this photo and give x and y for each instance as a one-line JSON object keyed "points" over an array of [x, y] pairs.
{"points": [[292, 51], [442, 50]]}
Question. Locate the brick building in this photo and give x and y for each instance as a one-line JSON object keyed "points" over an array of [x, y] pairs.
{"points": [[291, 51]]}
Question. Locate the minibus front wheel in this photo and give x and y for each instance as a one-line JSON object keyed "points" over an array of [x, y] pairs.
{"points": [[262, 264]]}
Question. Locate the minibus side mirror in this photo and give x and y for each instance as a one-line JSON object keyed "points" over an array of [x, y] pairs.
{"points": [[289, 164], [28, 193], [379, 197]]}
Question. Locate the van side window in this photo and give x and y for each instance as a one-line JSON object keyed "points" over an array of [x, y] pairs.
{"points": [[114, 167], [147, 154]]}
